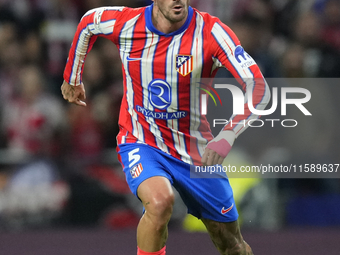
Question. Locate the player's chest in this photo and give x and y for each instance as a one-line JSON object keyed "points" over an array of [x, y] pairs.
{"points": [[163, 56]]}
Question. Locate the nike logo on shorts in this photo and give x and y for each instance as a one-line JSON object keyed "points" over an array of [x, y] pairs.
{"points": [[224, 211]]}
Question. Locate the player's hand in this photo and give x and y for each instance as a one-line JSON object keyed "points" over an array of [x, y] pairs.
{"points": [[218, 148], [74, 94]]}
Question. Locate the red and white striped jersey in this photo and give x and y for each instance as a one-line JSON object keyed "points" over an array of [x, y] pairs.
{"points": [[160, 106]]}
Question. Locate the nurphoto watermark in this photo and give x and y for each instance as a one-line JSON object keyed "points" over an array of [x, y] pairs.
{"points": [[285, 128], [244, 102]]}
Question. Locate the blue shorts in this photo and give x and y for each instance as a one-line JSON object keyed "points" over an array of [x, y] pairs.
{"points": [[209, 198]]}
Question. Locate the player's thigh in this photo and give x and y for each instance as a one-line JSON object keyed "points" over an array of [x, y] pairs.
{"points": [[140, 162], [147, 176], [156, 194]]}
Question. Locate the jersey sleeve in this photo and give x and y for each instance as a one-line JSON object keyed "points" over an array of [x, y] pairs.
{"points": [[231, 55], [96, 22]]}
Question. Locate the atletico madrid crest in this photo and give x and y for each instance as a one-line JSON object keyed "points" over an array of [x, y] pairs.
{"points": [[184, 64], [136, 170]]}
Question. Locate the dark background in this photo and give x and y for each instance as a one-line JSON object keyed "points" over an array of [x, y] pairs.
{"points": [[62, 190]]}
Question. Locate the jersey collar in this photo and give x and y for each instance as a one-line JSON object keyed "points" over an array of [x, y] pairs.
{"points": [[151, 27]]}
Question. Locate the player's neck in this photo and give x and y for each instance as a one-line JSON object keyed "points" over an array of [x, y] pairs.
{"points": [[162, 24]]}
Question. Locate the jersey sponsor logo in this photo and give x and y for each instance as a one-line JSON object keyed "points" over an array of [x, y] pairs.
{"points": [[159, 94], [184, 64], [136, 170], [162, 115], [243, 57], [224, 211]]}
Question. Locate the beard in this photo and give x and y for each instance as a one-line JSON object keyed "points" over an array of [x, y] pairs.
{"points": [[175, 13]]}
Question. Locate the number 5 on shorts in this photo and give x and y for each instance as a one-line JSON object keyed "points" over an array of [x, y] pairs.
{"points": [[133, 157]]}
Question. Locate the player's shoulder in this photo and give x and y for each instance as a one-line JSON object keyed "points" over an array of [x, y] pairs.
{"points": [[212, 23], [133, 11], [116, 11], [208, 19]]}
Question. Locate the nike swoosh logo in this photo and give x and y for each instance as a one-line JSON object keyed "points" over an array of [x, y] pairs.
{"points": [[224, 211], [132, 59]]}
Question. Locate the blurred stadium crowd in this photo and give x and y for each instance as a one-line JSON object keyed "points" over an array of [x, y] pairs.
{"points": [[58, 160]]}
